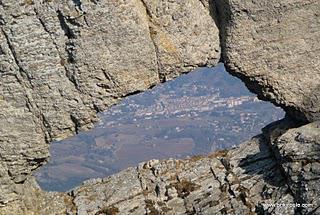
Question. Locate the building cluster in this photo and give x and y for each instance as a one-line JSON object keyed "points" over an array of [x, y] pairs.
{"points": [[170, 106]]}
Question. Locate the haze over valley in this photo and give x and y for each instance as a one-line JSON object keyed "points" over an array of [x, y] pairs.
{"points": [[195, 114]]}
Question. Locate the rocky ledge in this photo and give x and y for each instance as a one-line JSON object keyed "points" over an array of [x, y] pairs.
{"points": [[62, 61], [270, 174]]}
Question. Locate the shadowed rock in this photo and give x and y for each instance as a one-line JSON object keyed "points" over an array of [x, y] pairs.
{"points": [[62, 61], [274, 48]]}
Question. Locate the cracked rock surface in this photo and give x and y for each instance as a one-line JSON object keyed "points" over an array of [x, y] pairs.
{"points": [[62, 61], [226, 182], [299, 154], [249, 179], [273, 46], [269, 174]]}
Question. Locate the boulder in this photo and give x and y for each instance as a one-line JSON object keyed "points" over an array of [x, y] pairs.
{"points": [[274, 48]]}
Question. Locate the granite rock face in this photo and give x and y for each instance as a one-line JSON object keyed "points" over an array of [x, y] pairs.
{"points": [[62, 61], [273, 46]]}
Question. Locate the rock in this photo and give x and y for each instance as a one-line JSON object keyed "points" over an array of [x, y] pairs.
{"points": [[32, 200], [180, 32], [62, 61], [269, 174], [239, 181], [274, 48], [299, 154]]}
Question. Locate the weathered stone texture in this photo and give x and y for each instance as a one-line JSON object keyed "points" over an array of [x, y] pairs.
{"points": [[270, 169], [238, 181], [63, 61], [269, 174], [274, 47], [299, 151], [180, 31], [33, 201]]}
